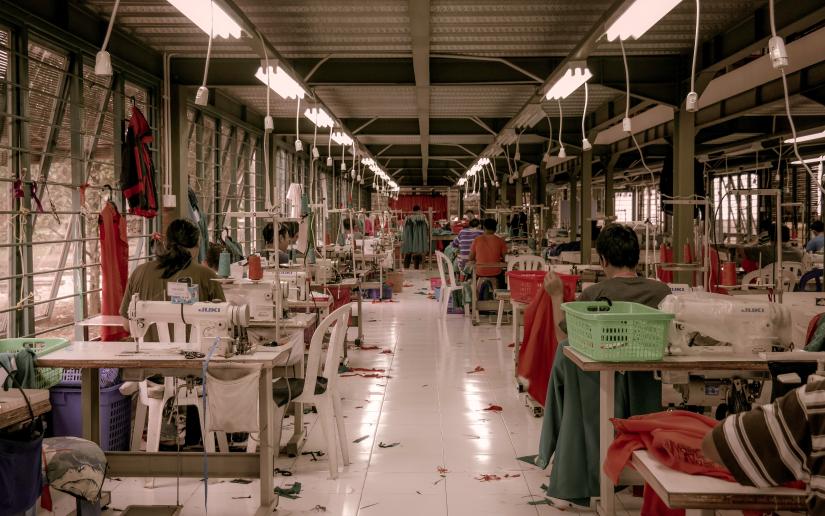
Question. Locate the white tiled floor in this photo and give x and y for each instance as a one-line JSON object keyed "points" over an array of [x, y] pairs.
{"points": [[430, 405]]}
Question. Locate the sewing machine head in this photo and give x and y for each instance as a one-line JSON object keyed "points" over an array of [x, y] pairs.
{"points": [[716, 324], [207, 322], [260, 296]]}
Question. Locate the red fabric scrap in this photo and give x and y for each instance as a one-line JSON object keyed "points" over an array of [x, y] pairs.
{"points": [[511, 345], [478, 369], [487, 477], [367, 348], [442, 470], [538, 349], [386, 352], [366, 369], [494, 408]]}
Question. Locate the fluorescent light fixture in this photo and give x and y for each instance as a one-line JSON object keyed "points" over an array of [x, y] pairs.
{"points": [[461, 181], [368, 162], [637, 19], [319, 117], [507, 136], [484, 161], [217, 23], [341, 138], [280, 82], [572, 79], [530, 116], [808, 137], [818, 159]]}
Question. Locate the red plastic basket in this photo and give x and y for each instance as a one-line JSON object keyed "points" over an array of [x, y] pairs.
{"points": [[525, 284], [570, 282]]}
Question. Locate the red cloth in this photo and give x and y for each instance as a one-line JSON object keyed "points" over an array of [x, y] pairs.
{"points": [[114, 266], [812, 326], [438, 203], [368, 227], [665, 256], [137, 176], [537, 351]]}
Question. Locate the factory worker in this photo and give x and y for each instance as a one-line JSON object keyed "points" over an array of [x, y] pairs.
{"points": [[817, 241], [178, 262], [283, 241], [570, 430]]}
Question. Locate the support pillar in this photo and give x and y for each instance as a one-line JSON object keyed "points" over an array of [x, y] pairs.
{"points": [[573, 205], [587, 201], [609, 193], [78, 167], [683, 187], [180, 150]]}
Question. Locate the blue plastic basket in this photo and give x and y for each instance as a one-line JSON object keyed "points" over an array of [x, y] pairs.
{"points": [[72, 377], [115, 415]]}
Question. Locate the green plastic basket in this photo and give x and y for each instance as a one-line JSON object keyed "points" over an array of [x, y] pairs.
{"points": [[621, 332], [45, 377]]}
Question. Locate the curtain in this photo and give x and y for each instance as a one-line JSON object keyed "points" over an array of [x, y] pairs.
{"points": [[438, 203]]}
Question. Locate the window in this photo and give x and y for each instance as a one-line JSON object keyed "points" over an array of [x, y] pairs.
{"points": [[736, 215]]}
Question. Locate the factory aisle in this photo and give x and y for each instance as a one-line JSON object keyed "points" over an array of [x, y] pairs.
{"points": [[428, 401]]}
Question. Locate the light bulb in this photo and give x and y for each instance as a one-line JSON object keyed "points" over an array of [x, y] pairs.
{"points": [[562, 152], [269, 124], [329, 161], [298, 146], [586, 144], [103, 64], [202, 96], [343, 167]]}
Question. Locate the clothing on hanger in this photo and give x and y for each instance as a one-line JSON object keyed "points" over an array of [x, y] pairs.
{"points": [[114, 266], [137, 175]]}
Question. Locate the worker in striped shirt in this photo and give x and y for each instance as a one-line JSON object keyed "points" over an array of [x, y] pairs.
{"points": [[464, 241], [775, 444]]}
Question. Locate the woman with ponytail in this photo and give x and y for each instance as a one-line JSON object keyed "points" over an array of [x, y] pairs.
{"points": [[177, 262]]}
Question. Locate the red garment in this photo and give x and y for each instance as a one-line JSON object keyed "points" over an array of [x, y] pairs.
{"points": [[665, 256], [114, 266], [812, 326], [137, 175], [368, 227], [437, 202], [537, 351]]}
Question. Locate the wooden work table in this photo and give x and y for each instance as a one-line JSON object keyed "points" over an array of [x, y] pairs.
{"points": [[13, 407], [702, 495], [607, 372], [165, 358]]}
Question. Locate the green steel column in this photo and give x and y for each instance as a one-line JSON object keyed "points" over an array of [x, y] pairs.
{"points": [[586, 204], [180, 146], [571, 199], [683, 187], [78, 167]]}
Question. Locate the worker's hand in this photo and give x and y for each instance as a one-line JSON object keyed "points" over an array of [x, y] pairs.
{"points": [[553, 285]]}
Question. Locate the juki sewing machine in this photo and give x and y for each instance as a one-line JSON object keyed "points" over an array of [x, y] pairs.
{"points": [[260, 296], [207, 321], [717, 325]]}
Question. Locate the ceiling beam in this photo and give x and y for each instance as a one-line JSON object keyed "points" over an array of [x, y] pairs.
{"points": [[420, 31]]}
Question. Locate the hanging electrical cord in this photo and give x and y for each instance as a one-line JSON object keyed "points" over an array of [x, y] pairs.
{"points": [[585, 142], [202, 96], [626, 125], [546, 158], [562, 152], [779, 60], [692, 100], [269, 126], [103, 61]]}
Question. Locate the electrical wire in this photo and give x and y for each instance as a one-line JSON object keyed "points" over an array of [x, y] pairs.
{"points": [[695, 49], [561, 123], [584, 111], [209, 46], [627, 108], [297, 120], [111, 25]]}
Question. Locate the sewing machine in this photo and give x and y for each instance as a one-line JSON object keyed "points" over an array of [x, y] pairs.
{"points": [[716, 325], [260, 296], [207, 321]]}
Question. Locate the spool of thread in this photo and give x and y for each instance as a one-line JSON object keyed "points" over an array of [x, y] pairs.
{"points": [[223, 265], [729, 273], [256, 271]]}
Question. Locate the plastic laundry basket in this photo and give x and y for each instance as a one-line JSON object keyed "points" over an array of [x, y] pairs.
{"points": [[524, 285], [45, 377], [617, 332], [115, 415]]}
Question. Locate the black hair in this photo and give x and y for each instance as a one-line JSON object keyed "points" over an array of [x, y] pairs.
{"points": [[490, 224], [475, 223], [213, 255], [346, 224], [618, 245], [469, 211], [291, 228], [416, 208], [181, 236], [283, 232], [765, 225], [269, 233], [818, 226], [786, 233]]}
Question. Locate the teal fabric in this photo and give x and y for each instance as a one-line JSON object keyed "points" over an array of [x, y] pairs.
{"points": [[571, 424], [817, 342], [25, 373], [415, 238]]}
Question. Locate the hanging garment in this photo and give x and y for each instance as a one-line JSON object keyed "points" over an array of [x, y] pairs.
{"points": [[234, 249], [535, 357], [416, 236], [114, 266], [368, 229], [137, 175], [200, 221]]}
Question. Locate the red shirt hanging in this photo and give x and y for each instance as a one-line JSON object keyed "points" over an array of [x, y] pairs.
{"points": [[114, 265]]}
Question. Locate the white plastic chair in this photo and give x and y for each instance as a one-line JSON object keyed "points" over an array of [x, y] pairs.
{"points": [[795, 267], [524, 262], [326, 398], [765, 274], [449, 284], [152, 398]]}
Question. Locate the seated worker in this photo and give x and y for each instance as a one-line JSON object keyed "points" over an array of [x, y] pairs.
{"points": [[177, 262], [817, 241], [283, 242], [344, 236], [489, 248], [772, 445], [765, 253], [571, 426], [464, 241]]}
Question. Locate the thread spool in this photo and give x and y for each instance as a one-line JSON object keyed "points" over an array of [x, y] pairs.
{"points": [[223, 265], [256, 271], [729, 274]]}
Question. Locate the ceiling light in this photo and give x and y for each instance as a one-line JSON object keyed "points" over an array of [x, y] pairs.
{"points": [[209, 17], [637, 19], [808, 137], [280, 82], [319, 117], [506, 137], [818, 159], [341, 138], [569, 82]]}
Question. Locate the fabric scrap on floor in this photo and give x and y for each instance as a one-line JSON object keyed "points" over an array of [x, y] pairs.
{"points": [[360, 439], [387, 445], [478, 369], [494, 408], [291, 492]]}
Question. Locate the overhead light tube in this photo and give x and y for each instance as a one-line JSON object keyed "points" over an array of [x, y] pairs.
{"points": [[203, 12], [572, 79], [637, 19], [280, 82]]}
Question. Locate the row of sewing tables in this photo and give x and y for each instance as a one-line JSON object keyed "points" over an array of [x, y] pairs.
{"points": [[165, 358]]}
